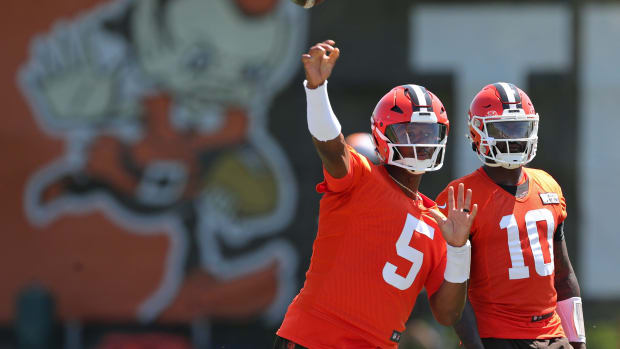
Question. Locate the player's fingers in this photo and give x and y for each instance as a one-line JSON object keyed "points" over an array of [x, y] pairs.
{"points": [[305, 58], [460, 197], [437, 216], [328, 48], [467, 199], [330, 42], [450, 198], [316, 52], [333, 57], [472, 215]]}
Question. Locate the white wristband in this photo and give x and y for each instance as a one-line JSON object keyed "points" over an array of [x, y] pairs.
{"points": [[458, 262], [571, 313], [322, 122]]}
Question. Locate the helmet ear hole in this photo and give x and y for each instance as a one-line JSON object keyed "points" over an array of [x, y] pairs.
{"points": [[474, 148]]}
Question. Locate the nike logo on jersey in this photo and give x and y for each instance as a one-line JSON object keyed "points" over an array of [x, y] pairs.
{"points": [[442, 206], [549, 198]]}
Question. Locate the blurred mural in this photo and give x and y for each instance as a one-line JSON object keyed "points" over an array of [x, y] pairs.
{"points": [[160, 108], [160, 105], [159, 182]]}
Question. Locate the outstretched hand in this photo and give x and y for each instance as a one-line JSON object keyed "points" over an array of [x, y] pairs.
{"points": [[456, 227], [319, 62]]}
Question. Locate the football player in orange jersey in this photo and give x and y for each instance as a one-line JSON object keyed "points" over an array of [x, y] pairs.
{"points": [[523, 292], [379, 240]]}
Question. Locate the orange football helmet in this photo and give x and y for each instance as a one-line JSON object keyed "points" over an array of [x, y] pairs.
{"points": [[410, 129], [503, 126]]}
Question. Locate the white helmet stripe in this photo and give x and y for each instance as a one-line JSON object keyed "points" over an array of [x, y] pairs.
{"points": [[421, 96], [510, 94]]}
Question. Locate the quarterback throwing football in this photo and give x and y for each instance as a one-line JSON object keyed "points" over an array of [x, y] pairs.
{"points": [[523, 291], [379, 240]]}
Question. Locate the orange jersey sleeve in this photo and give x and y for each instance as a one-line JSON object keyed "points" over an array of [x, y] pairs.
{"points": [[512, 273], [359, 167], [375, 250]]}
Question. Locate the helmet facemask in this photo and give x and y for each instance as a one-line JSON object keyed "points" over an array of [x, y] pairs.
{"points": [[415, 146], [507, 141]]}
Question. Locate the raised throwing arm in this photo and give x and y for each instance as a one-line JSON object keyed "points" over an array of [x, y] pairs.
{"points": [[324, 127]]}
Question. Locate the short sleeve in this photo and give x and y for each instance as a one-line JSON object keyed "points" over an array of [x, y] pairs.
{"points": [[563, 212], [359, 167], [435, 279], [548, 183]]}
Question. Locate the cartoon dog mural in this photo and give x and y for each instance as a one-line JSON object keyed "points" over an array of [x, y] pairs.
{"points": [[162, 105]]}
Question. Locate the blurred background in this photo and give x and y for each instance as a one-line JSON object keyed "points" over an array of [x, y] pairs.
{"points": [[159, 184]]}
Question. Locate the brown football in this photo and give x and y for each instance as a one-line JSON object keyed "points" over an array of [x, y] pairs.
{"points": [[307, 3]]}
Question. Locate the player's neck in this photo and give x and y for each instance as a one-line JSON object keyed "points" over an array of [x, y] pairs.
{"points": [[405, 178], [504, 176]]}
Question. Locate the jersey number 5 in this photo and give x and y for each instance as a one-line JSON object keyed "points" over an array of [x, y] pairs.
{"points": [[407, 252], [519, 270]]}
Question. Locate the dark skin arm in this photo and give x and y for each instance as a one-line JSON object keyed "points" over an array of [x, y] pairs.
{"points": [[318, 65], [566, 284], [448, 302], [334, 155], [467, 329]]}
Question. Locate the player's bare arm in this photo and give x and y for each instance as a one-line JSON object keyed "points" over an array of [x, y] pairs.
{"points": [[448, 302], [318, 63], [467, 329], [566, 284]]}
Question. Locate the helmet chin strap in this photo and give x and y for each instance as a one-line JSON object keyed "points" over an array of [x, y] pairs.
{"points": [[506, 165], [510, 166], [511, 161]]}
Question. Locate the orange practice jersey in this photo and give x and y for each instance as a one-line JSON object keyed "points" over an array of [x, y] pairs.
{"points": [[374, 252], [512, 267]]}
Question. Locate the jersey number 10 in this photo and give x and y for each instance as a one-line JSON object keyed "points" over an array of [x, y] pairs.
{"points": [[519, 270]]}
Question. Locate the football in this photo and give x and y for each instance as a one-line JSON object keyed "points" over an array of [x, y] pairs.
{"points": [[307, 3]]}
